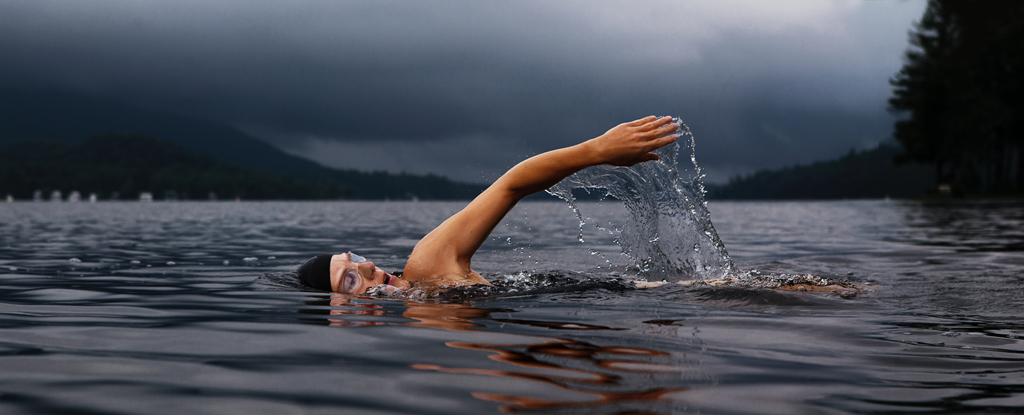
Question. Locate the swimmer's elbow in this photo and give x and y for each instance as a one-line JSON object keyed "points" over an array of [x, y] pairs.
{"points": [[509, 189]]}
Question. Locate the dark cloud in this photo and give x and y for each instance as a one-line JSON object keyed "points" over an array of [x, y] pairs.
{"points": [[469, 88]]}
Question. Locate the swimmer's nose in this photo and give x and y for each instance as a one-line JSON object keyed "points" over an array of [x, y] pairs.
{"points": [[367, 268]]}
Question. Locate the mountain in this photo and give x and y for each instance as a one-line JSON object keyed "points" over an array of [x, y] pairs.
{"points": [[870, 174], [125, 165], [72, 118]]}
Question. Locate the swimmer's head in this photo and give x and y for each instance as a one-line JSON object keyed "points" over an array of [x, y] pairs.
{"points": [[345, 273]]}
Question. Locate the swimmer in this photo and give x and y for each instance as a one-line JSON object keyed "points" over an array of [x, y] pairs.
{"points": [[443, 256]]}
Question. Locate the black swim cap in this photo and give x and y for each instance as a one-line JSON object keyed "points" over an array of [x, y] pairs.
{"points": [[316, 272]]}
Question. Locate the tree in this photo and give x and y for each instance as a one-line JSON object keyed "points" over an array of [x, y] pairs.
{"points": [[960, 87]]}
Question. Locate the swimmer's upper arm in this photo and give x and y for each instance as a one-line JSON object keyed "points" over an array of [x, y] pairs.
{"points": [[449, 248]]}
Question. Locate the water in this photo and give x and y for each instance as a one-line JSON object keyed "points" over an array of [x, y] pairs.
{"points": [[194, 327], [668, 235]]}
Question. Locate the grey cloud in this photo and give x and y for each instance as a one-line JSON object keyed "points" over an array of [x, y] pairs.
{"points": [[529, 76]]}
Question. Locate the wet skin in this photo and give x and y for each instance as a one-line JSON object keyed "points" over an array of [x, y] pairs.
{"points": [[443, 257], [354, 277]]}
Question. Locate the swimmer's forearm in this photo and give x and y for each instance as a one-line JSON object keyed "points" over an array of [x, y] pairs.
{"points": [[624, 145], [547, 169]]}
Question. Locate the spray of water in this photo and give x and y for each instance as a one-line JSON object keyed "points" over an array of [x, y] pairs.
{"points": [[668, 235]]}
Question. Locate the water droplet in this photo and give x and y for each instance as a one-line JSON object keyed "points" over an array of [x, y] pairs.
{"points": [[75, 261], [226, 262]]}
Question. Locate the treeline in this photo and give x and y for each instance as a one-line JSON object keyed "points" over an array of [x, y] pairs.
{"points": [[398, 186], [30, 114], [127, 164], [868, 174], [961, 91]]}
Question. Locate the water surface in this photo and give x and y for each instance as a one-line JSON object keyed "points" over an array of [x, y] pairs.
{"points": [[161, 308]]}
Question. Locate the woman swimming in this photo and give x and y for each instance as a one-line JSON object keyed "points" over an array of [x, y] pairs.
{"points": [[443, 256]]}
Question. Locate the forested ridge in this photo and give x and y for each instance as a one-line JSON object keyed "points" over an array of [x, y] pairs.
{"points": [[124, 165], [869, 174], [66, 119]]}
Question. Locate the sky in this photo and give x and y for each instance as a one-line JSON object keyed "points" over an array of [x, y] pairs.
{"points": [[467, 89]]}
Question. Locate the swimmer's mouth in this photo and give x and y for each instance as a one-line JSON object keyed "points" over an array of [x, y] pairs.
{"points": [[387, 279]]}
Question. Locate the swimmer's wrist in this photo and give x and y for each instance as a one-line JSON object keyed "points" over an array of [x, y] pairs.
{"points": [[589, 153]]}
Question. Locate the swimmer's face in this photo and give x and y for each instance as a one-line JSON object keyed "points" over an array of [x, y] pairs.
{"points": [[354, 275]]}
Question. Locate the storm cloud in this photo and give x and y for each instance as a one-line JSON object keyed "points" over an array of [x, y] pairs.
{"points": [[466, 89]]}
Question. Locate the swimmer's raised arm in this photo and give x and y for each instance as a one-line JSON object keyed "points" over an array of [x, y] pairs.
{"points": [[443, 256]]}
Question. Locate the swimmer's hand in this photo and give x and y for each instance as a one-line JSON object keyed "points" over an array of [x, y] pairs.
{"points": [[633, 142]]}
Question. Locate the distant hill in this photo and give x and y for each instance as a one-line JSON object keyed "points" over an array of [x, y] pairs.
{"points": [[868, 174], [124, 165], [71, 118]]}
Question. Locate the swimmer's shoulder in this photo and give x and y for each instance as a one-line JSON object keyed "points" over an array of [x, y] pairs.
{"points": [[438, 273], [450, 279]]}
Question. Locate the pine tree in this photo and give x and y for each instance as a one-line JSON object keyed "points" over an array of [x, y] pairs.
{"points": [[960, 87]]}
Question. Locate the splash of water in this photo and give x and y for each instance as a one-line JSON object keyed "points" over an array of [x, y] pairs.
{"points": [[668, 235]]}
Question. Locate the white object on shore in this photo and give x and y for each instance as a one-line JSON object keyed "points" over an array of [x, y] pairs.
{"points": [[10, 198], [145, 197], [92, 197], [75, 196]]}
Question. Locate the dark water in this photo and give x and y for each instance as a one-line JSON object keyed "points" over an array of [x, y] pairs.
{"points": [[192, 327]]}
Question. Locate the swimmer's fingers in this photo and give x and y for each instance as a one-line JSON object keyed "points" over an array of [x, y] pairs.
{"points": [[642, 121], [654, 125], [647, 157], [664, 141], [639, 159], [654, 145], [661, 128]]}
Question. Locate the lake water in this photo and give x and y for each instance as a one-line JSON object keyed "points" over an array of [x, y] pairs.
{"points": [[165, 308]]}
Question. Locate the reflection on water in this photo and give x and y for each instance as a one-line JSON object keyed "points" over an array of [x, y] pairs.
{"points": [[607, 375], [598, 377], [573, 367]]}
